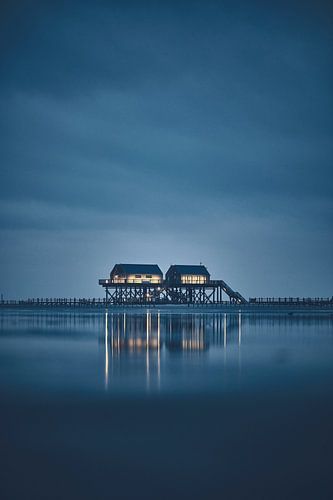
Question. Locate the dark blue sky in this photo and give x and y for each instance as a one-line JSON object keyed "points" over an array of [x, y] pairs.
{"points": [[167, 132]]}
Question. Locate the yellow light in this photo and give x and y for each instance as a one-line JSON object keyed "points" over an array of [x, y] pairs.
{"points": [[106, 352]]}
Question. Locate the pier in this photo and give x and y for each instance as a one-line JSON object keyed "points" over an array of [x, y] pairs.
{"points": [[143, 285], [163, 293], [183, 284], [271, 304]]}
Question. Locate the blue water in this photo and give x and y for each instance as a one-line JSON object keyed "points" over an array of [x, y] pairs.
{"points": [[158, 404]]}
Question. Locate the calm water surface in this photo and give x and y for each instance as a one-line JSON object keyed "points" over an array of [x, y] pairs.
{"points": [[157, 404]]}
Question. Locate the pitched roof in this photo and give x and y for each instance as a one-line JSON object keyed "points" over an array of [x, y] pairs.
{"points": [[138, 268], [190, 269]]}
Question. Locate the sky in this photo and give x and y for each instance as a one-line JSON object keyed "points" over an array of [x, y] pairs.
{"points": [[169, 133]]}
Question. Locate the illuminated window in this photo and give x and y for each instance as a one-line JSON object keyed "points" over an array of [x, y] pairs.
{"points": [[119, 279], [193, 279]]}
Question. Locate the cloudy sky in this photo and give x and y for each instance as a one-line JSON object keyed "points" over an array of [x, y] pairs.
{"points": [[166, 132]]}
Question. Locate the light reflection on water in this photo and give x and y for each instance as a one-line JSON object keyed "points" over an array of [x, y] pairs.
{"points": [[159, 351], [238, 406], [147, 334]]}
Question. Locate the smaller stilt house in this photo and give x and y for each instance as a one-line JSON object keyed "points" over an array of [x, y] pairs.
{"points": [[196, 275], [136, 273]]}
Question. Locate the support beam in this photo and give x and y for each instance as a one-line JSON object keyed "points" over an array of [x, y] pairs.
{"points": [[165, 293]]}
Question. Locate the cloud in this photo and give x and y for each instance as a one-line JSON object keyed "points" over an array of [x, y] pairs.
{"points": [[166, 121]]}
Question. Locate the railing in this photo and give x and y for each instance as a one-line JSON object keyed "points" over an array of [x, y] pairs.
{"points": [[56, 302], [291, 300], [99, 302]]}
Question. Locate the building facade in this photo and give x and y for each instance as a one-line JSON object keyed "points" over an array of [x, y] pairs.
{"points": [[183, 275], [136, 274]]}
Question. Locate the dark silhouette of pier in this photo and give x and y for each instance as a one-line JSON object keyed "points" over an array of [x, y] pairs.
{"points": [[143, 285], [183, 284], [253, 305]]}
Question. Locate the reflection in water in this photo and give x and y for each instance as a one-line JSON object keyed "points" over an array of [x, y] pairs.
{"points": [[158, 349], [148, 329], [55, 420], [225, 331], [163, 349], [83, 323], [106, 352], [149, 334], [239, 345]]}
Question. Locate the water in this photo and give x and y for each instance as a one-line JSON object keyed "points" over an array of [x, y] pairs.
{"points": [[158, 404]]}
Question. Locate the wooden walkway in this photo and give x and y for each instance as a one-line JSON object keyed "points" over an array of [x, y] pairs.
{"points": [[254, 303]]}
